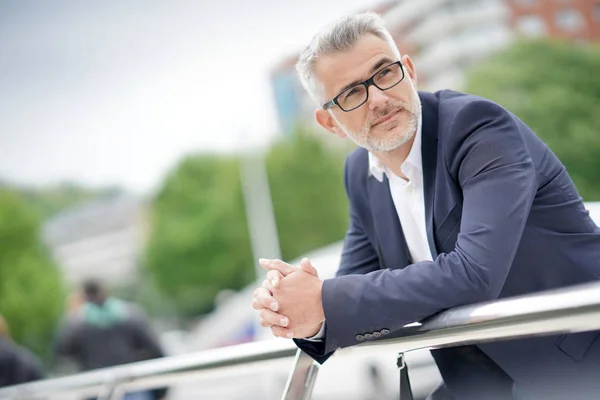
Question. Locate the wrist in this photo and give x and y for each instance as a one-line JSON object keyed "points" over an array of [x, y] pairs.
{"points": [[316, 330]]}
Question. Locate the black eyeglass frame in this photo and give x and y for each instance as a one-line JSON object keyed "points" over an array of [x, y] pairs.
{"points": [[366, 83]]}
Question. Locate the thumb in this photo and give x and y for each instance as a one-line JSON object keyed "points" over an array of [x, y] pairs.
{"points": [[307, 266]]}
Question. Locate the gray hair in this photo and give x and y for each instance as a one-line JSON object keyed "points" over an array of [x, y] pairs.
{"points": [[338, 37]]}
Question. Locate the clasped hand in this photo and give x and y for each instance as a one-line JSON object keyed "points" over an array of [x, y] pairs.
{"points": [[289, 300]]}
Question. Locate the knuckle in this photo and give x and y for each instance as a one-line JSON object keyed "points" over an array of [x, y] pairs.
{"points": [[276, 330]]}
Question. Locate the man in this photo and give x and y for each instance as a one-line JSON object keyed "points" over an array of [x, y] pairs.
{"points": [[17, 364], [104, 331], [453, 201]]}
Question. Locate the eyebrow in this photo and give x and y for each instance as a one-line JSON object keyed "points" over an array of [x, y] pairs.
{"points": [[383, 61]]}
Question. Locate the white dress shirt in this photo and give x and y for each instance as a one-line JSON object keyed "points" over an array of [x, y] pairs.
{"points": [[408, 200]]}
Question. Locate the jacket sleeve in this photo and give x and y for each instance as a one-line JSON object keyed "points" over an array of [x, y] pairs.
{"points": [[358, 257], [498, 181]]}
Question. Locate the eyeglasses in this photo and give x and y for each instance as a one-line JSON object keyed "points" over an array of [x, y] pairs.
{"points": [[357, 95]]}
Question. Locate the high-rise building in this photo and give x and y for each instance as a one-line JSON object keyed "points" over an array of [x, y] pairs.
{"points": [[445, 37]]}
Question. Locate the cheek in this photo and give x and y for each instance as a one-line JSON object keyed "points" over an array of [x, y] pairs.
{"points": [[355, 120], [403, 92]]}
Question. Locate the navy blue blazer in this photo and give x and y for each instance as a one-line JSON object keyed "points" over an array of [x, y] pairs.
{"points": [[503, 219]]}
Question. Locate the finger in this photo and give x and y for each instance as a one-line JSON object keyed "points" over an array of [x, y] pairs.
{"points": [[282, 332], [307, 266], [277, 265], [265, 299], [272, 318], [273, 278], [267, 285]]}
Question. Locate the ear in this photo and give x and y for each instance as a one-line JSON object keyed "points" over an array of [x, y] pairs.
{"points": [[409, 68], [325, 119]]}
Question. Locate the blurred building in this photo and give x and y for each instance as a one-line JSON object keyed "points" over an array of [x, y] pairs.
{"points": [[445, 37], [103, 239]]}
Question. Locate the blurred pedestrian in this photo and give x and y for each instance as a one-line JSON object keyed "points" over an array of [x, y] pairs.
{"points": [[104, 331], [17, 364]]}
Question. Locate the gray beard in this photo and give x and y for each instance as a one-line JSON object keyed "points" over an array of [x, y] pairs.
{"points": [[374, 143]]}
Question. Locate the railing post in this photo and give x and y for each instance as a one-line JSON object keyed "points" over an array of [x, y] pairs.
{"points": [[108, 390], [112, 389], [302, 378], [405, 389]]}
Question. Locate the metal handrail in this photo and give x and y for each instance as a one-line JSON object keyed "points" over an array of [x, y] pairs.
{"points": [[148, 371], [573, 309]]}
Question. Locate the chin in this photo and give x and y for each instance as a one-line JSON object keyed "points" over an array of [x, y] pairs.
{"points": [[390, 140], [393, 129]]}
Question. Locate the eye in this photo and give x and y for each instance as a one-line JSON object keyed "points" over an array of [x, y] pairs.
{"points": [[352, 92], [384, 72]]}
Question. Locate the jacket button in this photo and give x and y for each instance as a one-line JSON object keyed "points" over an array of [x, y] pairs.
{"points": [[368, 336], [360, 338], [385, 331], [376, 335]]}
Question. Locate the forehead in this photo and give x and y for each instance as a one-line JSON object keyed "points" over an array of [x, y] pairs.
{"points": [[337, 70]]}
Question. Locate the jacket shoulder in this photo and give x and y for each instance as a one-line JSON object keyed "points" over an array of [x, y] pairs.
{"points": [[452, 103]]}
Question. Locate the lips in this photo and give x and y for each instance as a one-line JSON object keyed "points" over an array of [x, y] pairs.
{"points": [[386, 118]]}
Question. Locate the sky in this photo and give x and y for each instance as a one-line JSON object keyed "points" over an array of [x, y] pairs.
{"points": [[115, 93]]}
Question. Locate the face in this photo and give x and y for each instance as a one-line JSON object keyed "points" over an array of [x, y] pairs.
{"points": [[389, 118]]}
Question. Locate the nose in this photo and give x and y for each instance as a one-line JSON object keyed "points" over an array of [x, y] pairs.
{"points": [[377, 97]]}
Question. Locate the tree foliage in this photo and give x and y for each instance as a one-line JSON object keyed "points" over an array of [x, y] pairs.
{"points": [[200, 242], [31, 291], [554, 87], [307, 188]]}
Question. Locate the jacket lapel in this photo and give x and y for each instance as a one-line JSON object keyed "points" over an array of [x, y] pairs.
{"points": [[429, 147], [391, 245]]}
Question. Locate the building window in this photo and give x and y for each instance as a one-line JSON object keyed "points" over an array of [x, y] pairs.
{"points": [[531, 25], [569, 19]]}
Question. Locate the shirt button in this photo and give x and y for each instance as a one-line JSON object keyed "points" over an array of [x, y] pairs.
{"points": [[368, 336], [360, 338], [376, 335], [385, 331]]}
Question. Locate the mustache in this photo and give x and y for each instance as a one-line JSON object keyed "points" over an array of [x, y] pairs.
{"points": [[387, 110]]}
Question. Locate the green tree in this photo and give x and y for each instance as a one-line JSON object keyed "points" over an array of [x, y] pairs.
{"points": [[199, 243], [554, 87], [307, 188], [31, 292]]}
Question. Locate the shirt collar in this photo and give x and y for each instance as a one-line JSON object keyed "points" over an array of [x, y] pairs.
{"points": [[414, 158]]}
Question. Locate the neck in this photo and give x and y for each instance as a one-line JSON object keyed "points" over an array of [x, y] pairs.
{"points": [[394, 159]]}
